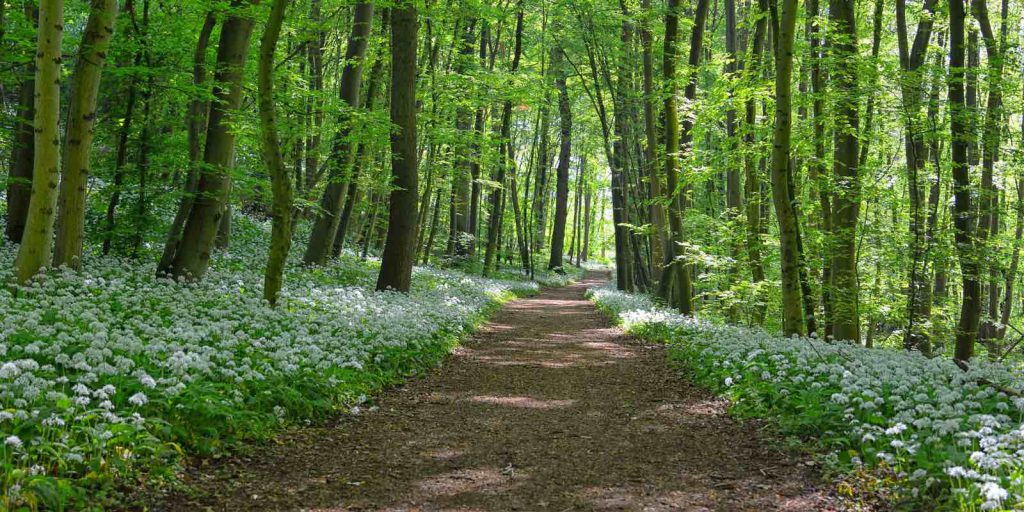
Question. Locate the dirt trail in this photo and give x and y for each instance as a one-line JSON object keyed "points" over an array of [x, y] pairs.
{"points": [[546, 408]]}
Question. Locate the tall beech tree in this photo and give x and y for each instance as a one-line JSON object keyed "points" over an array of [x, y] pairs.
{"points": [[845, 169], [462, 234], [964, 217], [628, 269], [542, 158], [700, 17], [817, 173], [342, 154], [733, 188], [85, 88], [660, 235], [198, 109], [362, 158], [36, 247], [281, 185], [210, 204], [674, 285], [564, 154], [783, 19], [400, 246]]}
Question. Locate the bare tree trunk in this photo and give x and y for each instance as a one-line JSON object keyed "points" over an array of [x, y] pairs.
{"points": [[141, 204], [400, 247], [361, 158], [600, 228], [783, 16], [37, 242], [971, 94], [686, 132], [435, 220], [452, 215], [520, 215], [223, 238], [577, 196], [588, 213], [210, 206], [315, 106], [198, 109], [734, 193], [281, 185], [517, 220], [869, 109], [937, 291], [845, 214], [1011, 273], [562, 171], [371, 223], [540, 191], [321, 240], [963, 212], [675, 283], [120, 160], [479, 124], [143, 154], [463, 236]]}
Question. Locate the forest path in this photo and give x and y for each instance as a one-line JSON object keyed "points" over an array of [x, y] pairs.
{"points": [[545, 408]]}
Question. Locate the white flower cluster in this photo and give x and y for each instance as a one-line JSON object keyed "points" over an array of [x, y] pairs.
{"points": [[947, 434], [110, 364]]}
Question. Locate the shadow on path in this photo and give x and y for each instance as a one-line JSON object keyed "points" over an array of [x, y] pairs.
{"points": [[546, 408]]}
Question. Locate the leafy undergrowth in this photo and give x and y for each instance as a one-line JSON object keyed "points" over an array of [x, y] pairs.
{"points": [[109, 376], [919, 431]]}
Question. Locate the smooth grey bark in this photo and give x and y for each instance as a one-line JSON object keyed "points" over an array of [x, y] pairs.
{"points": [[400, 245]]}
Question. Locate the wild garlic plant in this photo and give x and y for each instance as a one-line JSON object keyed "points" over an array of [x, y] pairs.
{"points": [[108, 375], [948, 437]]}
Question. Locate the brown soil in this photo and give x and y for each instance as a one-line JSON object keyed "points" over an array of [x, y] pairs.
{"points": [[546, 408]]}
